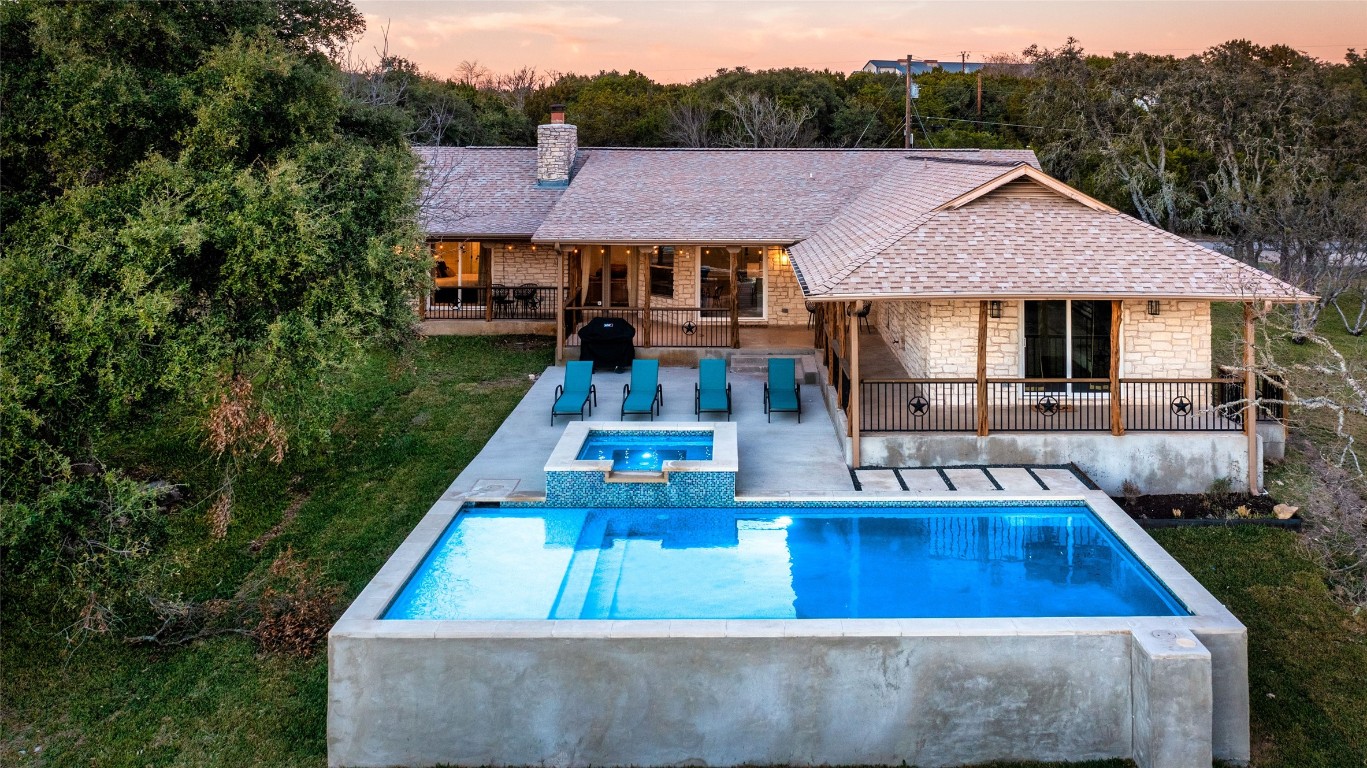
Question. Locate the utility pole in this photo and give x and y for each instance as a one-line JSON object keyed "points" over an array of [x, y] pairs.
{"points": [[906, 132], [980, 94], [963, 62]]}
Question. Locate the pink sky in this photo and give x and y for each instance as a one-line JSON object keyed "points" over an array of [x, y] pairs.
{"points": [[679, 41]]}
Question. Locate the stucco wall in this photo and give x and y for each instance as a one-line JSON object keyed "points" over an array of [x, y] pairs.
{"points": [[939, 339]]}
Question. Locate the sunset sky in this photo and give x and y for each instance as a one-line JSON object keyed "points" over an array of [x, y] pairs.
{"points": [[680, 41]]}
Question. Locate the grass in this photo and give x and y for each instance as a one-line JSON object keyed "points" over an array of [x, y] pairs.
{"points": [[408, 429], [1307, 654]]}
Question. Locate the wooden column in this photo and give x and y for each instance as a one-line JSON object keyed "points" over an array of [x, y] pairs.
{"points": [[1251, 395], [645, 317], [982, 369], [734, 253], [486, 280], [562, 261], [854, 414], [1117, 418]]}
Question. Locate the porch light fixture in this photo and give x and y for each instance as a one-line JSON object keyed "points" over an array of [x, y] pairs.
{"points": [[1153, 307], [783, 257], [994, 309]]}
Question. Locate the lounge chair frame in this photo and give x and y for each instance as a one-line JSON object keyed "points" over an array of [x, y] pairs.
{"points": [[656, 402], [779, 387], [590, 395], [697, 391]]}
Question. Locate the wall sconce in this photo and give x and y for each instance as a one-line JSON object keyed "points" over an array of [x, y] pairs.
{"points": [[994, 309], [1153, 307], [783, 257]]}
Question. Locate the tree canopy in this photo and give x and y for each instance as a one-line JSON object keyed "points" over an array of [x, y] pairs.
{"points": [[197, 219]]}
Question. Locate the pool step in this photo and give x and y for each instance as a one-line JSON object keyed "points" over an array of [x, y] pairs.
{"points": [[973, 479]]}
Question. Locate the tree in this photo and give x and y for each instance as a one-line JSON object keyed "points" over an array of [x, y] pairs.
{"points": [[236, 244]]}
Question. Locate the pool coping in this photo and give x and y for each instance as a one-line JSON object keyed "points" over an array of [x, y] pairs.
{"points": [[1209, 615], [725, 455]]}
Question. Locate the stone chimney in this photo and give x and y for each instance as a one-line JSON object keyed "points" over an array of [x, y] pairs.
{"points": [[556, 145]]}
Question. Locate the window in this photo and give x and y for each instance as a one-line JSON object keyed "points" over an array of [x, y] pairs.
{"points": [[715, 282], [456, 263], [662, 271], [1068, 340]]}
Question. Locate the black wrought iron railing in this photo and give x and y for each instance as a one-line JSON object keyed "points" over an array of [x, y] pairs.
{"points": [[918, 405], [655, 327], [496, 302], [1050, 405], [1181, 405]]}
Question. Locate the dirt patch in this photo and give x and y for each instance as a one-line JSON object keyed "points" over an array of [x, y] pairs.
{"points": [[1197, 505]]}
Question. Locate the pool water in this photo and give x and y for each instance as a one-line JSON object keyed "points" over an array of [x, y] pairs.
{"points": [[799, 562], [645, 452]]}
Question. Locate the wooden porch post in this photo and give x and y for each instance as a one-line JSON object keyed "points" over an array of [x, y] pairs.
{"points": [[854, 414], [734, 253], [645, 316], [1251, 395], [486, 280], [562, 261], [1117, 418], [982, 369]]}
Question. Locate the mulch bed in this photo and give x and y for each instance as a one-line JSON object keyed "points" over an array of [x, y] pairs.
{"points": [[1201, 509]]}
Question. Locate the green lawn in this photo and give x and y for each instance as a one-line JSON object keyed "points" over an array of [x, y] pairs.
{"points": [[410, 425]]}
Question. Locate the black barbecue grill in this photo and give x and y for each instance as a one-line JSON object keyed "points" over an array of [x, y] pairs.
{"points": [[607, 341]]}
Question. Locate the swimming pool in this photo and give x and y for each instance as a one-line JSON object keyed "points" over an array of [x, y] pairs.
{"points": [[835, 630], [780, 563], [645, 451]]}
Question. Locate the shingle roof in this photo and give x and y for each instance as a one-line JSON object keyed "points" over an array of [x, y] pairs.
{"points": [[719, 196], [482, 191], [1019, 240]]}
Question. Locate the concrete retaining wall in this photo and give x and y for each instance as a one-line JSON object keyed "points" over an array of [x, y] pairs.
{"points": [[930, 698], [1160, 462]]}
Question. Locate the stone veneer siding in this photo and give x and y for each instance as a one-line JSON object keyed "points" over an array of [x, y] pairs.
{"points": [[517, 263], [939, 339], [556, 145], [1175, 344], [787, 306]]}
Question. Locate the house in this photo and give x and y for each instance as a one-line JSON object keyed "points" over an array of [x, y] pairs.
{"points": [[899, 67], [1011, 319]]}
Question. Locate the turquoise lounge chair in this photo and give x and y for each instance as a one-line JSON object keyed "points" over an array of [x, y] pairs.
{"points": [[644, 394], [782, 393], [712, 393], [573, 396]]}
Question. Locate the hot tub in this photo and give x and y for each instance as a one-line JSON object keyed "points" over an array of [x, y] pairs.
{"points": [[628, 464]]}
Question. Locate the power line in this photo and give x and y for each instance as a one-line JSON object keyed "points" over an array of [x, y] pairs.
{"points": [[1088, 130]]}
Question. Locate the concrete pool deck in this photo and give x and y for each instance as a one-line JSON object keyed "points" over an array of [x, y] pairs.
{"points": [[777, 458]]}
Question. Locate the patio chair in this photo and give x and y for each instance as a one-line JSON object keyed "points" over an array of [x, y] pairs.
{"points": [[862, 315], [503, 299], [782, 393], [644, 394], [712, 393], [573, 396]]}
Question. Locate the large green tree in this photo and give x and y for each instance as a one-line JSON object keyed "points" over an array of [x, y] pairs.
{"points": [[201, 223]]}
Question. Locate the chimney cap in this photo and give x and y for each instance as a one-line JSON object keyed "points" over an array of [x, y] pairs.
{"points": [[557, 113]]}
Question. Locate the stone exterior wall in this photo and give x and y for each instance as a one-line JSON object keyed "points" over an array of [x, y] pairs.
{"points": [[939, 338], [786, 304], [556, 145], [685, 280], [518, 263], [1173, 344]]}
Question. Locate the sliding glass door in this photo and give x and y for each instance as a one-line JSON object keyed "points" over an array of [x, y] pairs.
{"points": [[1068, 340]]}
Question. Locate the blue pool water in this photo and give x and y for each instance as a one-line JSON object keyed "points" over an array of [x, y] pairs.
{"points": [[645, 451], [866, 562]]}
